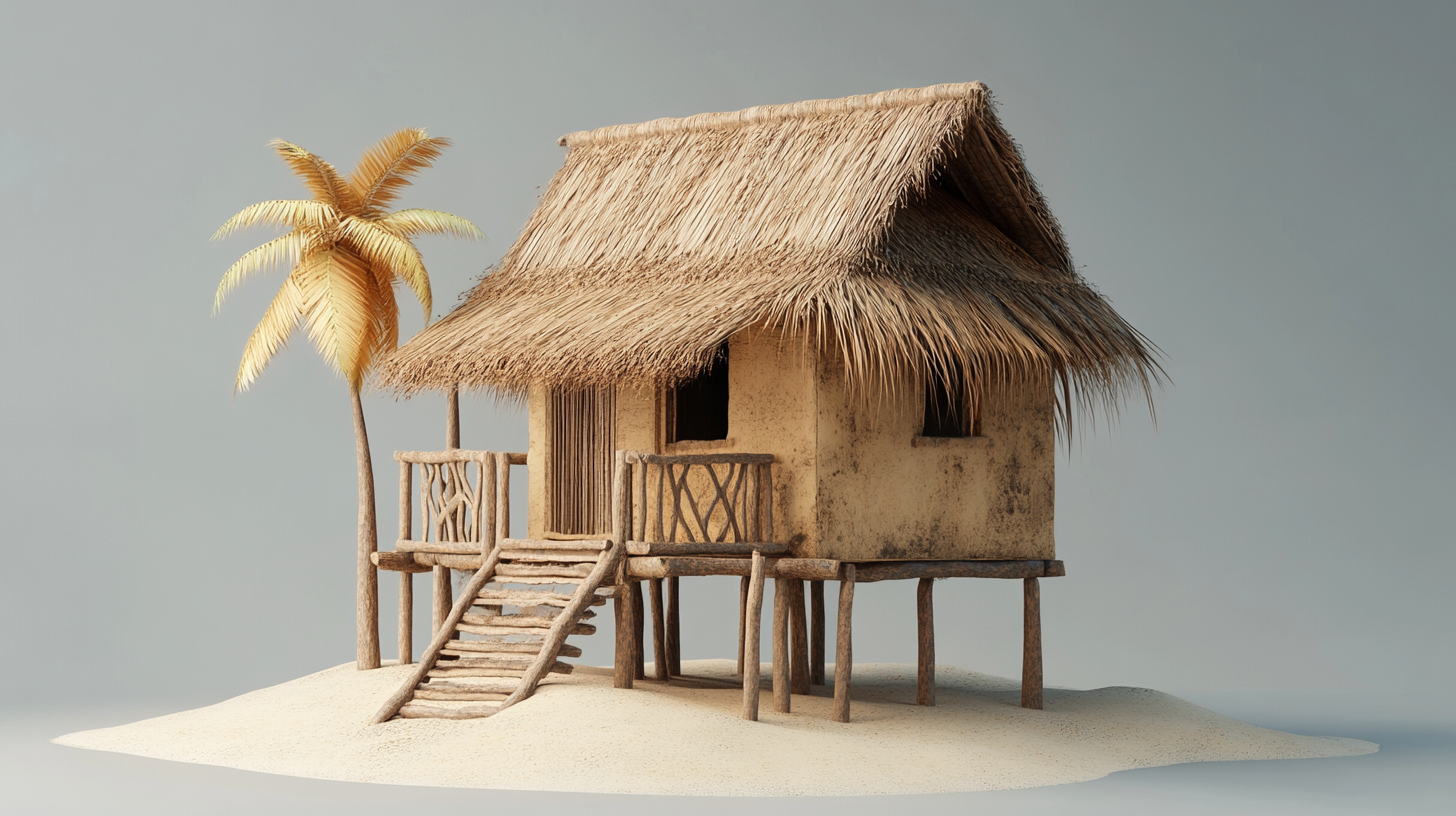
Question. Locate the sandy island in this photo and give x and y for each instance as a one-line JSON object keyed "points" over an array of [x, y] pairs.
{"points": [[580, 734]]}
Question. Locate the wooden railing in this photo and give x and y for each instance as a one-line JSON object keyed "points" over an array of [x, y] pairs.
{"points": [[704, 503], [463, 500]]}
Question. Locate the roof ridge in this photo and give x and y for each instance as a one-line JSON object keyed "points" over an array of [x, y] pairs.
{"points": [[902, 97]]}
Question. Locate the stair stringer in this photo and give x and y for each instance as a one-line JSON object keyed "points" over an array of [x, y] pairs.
{"points": [[442, 636]]}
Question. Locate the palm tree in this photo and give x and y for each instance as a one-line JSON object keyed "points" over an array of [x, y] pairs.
{"points": [[346, 254]]}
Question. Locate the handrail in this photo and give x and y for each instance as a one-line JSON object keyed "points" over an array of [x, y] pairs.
{"points": [[693, 499]]}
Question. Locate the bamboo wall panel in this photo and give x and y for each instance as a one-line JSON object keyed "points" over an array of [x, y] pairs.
{"points": [[583, 441]]}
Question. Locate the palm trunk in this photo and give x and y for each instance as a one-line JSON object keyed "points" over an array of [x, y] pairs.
{"points": [[366, 606]]}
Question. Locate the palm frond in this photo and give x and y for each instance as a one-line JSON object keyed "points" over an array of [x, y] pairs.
{"points": [[295, 214], [339, 304], [410, 223], [386, 319], [326, 184], [386, 167], [271, 334], [390, 255], [276, 253]]}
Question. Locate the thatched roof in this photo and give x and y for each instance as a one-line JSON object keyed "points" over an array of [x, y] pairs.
{"points": [[901, 229]]}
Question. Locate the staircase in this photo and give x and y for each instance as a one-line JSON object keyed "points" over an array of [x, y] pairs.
{"points": [[484, 659]]}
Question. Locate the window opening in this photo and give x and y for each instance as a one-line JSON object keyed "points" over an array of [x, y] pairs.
{"points": [[948, 408], [699, 407]]}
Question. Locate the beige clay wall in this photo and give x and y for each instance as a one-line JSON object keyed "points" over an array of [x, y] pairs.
{"points": [[880, 496], [850, 483]]}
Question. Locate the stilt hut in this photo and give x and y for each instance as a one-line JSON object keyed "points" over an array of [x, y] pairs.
{"points": [[831, 340]]}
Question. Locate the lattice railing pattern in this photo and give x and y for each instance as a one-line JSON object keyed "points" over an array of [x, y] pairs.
{"points": [[701, 498], [456, 500]]}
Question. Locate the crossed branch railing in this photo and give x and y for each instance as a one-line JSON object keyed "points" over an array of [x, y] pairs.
{"points": [[722, 498]]}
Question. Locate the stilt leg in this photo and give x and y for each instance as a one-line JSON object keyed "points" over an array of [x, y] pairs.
{"points": [[816, 633], [751, 665], [406, 618], [626, 662], [639, 633], [843, 646], [444, 599], [674, 629], [781, 645], [1031, 646], [659, 635], [799, 639], [925, 618], [742, 618]]}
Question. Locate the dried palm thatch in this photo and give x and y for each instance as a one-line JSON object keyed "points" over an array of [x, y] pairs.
{"points": [[900, 229]]}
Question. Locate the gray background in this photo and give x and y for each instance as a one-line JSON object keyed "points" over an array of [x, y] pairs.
{"points": [[1265, 190]]}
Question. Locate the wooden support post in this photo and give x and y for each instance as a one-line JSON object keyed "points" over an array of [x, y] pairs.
{"points": [[659, 636], [674, 628], [406, 617], [925, 620], [742, 617], [816, 633], [639, 632], [799, 639], [624, 668], [750, 662], [843, 646], [781, 645], [1031, 645], [452, 418], [406, 579], [443, 599]]}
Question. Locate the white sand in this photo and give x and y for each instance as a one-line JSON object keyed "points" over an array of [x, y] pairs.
{"points": [[580, 734]]}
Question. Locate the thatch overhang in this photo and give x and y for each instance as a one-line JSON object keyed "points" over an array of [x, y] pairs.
{"points": [[902, 229]]}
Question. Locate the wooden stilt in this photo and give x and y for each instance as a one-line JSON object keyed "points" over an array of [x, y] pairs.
{"points": [[659, 635], [843, 646], [624, 668], [753, 620], [799, 639], [443, 599], [742, 617], [816, 633], [674, 629], [406, 579], [925, 619], [781, 645], [1031, 690], [406, 618], [639, 632]]}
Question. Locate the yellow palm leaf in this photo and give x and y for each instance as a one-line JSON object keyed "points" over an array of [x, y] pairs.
{"points": [[340, 297], [390, 254], [295, 214], [386, 167], [319, 176], [410, 223], [271, 335], [272, 255]]}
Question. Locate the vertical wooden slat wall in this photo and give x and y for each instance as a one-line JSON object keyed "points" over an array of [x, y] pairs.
{"points": [[583, 442]]}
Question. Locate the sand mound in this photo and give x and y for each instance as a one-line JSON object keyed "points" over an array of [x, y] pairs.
{"points": [[579, 734]]}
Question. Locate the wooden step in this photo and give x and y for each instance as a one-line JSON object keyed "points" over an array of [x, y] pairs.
{"points": [[461, 695], [504, 572], [597, 544], [564, 580], [443, 669], [487, 682], [564, 556], [496, 645], [420, 710], [528, 597], [517, 619], [497, 629], [503, 666]]}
